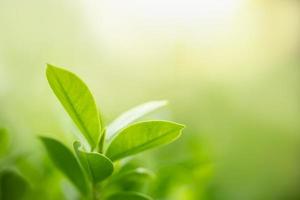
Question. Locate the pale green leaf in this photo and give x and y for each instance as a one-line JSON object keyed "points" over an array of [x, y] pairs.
{"points": [[78, 101], [12, 185], [142, 136], [129, 196], [66, 162], [132, 115], [97, 165]]}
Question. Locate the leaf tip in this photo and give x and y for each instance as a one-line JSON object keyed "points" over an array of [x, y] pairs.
{"points": [[49, 67], [52, 68]]}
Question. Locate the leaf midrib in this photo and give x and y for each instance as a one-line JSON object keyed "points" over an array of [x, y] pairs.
{"points": [[120, 155], [82, 125]]}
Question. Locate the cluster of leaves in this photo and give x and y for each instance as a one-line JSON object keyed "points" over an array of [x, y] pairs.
{"points": [[95, 164], [13, 186]]}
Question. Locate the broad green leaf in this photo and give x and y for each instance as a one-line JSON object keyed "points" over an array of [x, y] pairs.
{"points": [[98, 166], [129, 196], [65, 161], [4, 141], [142, 136], [132, 115], [78, 101], [12, 186]]}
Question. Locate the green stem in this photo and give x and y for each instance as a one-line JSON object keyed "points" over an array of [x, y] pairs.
{"points": [[95, 192], [101, 142]]}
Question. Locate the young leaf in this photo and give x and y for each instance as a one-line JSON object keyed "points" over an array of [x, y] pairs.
{"points": [[65, 161], [137, 174], [129, 196], [98, 166], [78, 101], [12, 186], [132, 115], [142, 136], [132, 180]]}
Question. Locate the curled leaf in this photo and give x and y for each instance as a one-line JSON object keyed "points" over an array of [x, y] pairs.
{"points": [[97, 165]]}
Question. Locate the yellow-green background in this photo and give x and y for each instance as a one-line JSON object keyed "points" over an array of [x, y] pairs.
{"points": [[229, 68]]}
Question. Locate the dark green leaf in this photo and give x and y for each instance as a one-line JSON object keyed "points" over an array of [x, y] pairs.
{"points": [[132, 115], [129, 196], [12, 186], [142, 136], [64, 160], [77, 100], [98, 166]]}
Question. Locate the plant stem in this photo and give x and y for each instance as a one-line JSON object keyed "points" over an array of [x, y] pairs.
{"points": [[95, 192], [101, 142], [94, 195]]}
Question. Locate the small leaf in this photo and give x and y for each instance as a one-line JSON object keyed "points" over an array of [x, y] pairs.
{"points": [[98, 166], [132, 115], [129, 196], [4, 141], [65, 161], [78, 101], [133, 180], [12, 186], [142, 136], [133, 175]]}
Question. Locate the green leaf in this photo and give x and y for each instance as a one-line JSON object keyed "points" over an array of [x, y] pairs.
{"points": [[133, 180], [132, 115], [78, 101], [129, 196], [12, 186], [98, 166], [142, 136], [65, 161], [133, 175], [4, 141]]}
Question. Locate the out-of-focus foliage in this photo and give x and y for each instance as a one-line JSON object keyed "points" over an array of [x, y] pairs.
{"points": [[4, 141], [129, 196], [230, 70], [64, 159], [12, 186]]}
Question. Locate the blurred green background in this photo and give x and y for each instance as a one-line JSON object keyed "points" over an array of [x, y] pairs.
{"points": [[229, 68]]}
